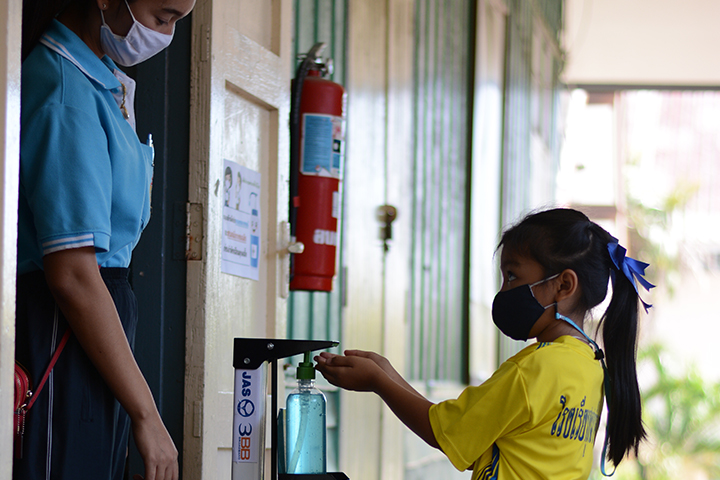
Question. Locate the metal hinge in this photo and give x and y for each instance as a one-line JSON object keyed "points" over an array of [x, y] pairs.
{"points": [[197, 419], [193, 231]]}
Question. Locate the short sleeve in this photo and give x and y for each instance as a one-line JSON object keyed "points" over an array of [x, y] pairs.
{"points": [[65, 174], [469, 425]]}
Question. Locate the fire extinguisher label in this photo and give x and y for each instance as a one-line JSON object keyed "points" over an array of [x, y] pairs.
{"points": [[325, 237], [323, 145]]}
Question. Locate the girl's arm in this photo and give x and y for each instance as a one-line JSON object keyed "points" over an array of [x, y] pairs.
{"points": [[75, 282], [361, 373]]}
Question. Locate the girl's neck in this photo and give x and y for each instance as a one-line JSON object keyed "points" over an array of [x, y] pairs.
{"points": [[558, 329], [85, 24]]}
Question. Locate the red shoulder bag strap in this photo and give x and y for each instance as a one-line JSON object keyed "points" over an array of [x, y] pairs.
{"points": [[53, 361]]}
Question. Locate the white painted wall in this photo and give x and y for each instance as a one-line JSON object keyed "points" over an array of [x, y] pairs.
{"points": [[642, 42], [365, 186]]}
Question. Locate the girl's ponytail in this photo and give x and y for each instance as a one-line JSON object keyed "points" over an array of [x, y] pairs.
{"points": [[619, 327]]}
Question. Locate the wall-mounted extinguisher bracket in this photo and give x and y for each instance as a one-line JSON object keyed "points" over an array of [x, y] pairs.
{"points": [[317, 148]]}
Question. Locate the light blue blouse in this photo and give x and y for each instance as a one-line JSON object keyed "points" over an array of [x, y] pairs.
{"points": [[85, 178]]}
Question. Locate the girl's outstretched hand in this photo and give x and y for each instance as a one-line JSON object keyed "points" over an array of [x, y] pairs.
{"points": [[381, 361], [386, 367], [351, 372], [369, 372]]}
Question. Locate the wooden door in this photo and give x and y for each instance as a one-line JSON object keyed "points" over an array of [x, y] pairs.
{"points": [[240, 99]]}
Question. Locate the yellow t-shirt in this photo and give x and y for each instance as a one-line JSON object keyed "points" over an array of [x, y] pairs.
{"points": [[541, 409]]}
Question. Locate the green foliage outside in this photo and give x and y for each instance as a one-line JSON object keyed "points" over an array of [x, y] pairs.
{"points": [[682, 416], [681, 412], [648, 227]]}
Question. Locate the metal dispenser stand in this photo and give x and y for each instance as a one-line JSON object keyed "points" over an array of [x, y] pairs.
{"points": [[250, 354]]}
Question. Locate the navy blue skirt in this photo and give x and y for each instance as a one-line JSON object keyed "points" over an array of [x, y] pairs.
{"points": [[76, 429]]}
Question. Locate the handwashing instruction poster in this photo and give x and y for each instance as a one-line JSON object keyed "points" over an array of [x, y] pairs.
{"points": [[241, 221]]}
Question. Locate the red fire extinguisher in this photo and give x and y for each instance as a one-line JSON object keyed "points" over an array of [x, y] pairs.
{"points": [[317, 148]]}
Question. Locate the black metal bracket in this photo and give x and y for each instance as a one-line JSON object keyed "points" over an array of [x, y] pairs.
{"points": [[250, 354]]}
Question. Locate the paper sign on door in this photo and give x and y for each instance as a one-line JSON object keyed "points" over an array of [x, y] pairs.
{"points": [[241, 221]]}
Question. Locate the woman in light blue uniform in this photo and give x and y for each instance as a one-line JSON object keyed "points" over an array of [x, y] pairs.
{"points": [[85, 186]]}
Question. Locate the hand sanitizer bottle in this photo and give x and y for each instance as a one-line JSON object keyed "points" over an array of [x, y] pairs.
{"points": [[305, 423]]}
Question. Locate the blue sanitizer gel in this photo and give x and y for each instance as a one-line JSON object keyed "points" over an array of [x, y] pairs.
{"points": [[305, 424]]}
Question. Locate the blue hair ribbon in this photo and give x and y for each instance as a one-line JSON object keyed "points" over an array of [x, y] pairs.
{"points": [[631, 268]]}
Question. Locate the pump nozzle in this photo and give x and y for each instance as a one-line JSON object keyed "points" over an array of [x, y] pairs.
{"points": [[306, 369]]}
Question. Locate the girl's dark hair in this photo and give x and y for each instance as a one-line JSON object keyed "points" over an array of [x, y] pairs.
{"points": [[562, 239]]}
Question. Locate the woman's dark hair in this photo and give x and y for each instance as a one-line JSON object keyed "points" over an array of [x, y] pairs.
{"points": [[37, 16], [562, 239]]}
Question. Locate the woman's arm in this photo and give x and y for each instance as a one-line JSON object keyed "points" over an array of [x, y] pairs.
{"points": [[361, 373], [75, 282]]}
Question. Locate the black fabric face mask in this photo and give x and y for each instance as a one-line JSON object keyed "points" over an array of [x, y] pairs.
{"points": [[515, 311]]}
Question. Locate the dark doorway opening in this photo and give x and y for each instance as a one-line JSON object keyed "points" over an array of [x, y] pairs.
{"points": [[158, 269]]}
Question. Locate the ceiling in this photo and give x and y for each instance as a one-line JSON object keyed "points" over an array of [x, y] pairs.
{"points": [[642, 43]]}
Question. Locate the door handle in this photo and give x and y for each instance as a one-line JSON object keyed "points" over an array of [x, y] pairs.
{"points": [[386, 215], [287, 245]]}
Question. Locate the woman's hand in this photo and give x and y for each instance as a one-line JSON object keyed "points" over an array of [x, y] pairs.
{"points": [[156, 449], [352, 372]]}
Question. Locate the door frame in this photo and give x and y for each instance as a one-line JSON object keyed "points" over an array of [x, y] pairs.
{"points": [[11, 24]]}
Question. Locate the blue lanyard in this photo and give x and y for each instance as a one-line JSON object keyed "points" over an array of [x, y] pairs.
{"points": [[599, 355]]}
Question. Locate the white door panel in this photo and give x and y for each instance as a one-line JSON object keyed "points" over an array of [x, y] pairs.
{"points": [[379, 171], [240, 107], [364, 192]]}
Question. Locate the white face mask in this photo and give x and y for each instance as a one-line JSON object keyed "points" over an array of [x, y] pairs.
{"points": [[137, 46]]}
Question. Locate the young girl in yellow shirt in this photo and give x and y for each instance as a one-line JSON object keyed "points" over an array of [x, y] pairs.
{"points": [[537, 416]]}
